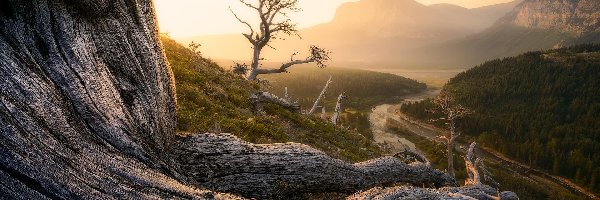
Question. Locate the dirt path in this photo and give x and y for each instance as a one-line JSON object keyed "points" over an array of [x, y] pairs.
{"points": [[431, 133]]}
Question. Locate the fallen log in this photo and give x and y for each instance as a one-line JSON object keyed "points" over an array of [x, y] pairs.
{"points": [[227, 164]]}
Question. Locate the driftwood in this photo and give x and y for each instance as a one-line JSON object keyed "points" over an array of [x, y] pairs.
{"points": [[227, 164], [87, 111]]}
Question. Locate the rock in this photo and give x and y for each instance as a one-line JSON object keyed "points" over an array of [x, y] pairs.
{"points": [[576, 16]]}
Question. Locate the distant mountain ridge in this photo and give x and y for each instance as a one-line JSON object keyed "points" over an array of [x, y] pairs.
{"points": [[578, 16], [532, 25], [371, 31], [407, 34]]}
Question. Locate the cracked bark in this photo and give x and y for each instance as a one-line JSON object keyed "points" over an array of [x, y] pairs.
{"points": [[227, 164], [87, 111]]}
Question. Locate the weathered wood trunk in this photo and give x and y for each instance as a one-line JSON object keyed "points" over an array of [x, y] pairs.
{"points": [[320, 97], [227, 164], [87, 111], [456, 193], [87, 107]]}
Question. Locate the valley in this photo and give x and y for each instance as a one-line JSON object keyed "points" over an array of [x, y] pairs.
{"points": [[353, 100], [391, 126]]}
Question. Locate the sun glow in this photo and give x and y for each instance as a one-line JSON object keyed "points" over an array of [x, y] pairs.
{"points": [[187, 18]]}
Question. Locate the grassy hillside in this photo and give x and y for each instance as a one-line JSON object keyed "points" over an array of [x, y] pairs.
{"points": [[211, 99], [542, 108]]}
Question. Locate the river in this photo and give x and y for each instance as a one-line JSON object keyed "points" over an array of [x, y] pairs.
{"points": [[382, 113]]}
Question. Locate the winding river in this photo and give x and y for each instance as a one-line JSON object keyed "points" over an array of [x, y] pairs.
{"points": [[382, 113]]}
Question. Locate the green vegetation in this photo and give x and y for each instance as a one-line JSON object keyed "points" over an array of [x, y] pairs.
{"points": [[541, 108], [210, 99], [504, 179], [365, 89]]}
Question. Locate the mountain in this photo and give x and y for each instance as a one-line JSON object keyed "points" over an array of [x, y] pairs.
{"points": [[576, 16], [88, 110], [541, 108], [532, 25], [371, 31]]}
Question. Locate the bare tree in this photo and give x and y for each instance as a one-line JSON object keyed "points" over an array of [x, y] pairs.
{"points": [[274, 21], [338, 109], [259, 98], [452, 112], [318, 100], [473, 177]]}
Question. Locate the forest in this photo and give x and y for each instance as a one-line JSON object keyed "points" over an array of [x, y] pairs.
{"points": [[541, 108], [365, 89]]}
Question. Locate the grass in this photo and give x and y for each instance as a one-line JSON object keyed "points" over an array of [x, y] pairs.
{"points": [[211, 99]]}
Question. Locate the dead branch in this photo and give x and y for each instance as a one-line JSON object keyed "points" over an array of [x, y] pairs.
{"points": [[321, 96]]}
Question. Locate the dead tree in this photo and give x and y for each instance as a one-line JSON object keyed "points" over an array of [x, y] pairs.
{"points": [[316, 104], [259, 98], [480, 192], [473, 177], [452, 113], [323, 113], [273, 21], [338, 109], [226, 163], [87, 111], [287, 95]]}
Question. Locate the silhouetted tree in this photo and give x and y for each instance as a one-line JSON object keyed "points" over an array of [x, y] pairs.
{"points": [[452, 112], [274, 21]]}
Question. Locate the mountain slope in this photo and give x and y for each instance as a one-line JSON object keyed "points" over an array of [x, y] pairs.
{"points": [[541, 108], [371, 31], [212, 100], [532, 25]]}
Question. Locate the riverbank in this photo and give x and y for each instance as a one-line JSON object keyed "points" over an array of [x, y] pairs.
{"points": [[393, 117]]}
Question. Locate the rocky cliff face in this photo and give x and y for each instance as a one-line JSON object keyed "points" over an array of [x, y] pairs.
{"points": [[576, 16]]}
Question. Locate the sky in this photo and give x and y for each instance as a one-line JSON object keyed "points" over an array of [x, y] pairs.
{"points": [[188, 18]]}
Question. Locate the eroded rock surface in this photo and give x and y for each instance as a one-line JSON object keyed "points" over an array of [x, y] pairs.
{"points": [[576, 16]]}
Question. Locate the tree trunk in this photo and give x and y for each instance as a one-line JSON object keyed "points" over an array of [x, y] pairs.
{"points": [[227, 164], [87, 102], [451, 157], [87, 111], [255, 63], [338, 109], [459, 193], [318, 100], [450, 150], [259, 98]]}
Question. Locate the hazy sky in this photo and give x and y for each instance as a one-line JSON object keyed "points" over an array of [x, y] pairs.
{"points": [[185, 18]]}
